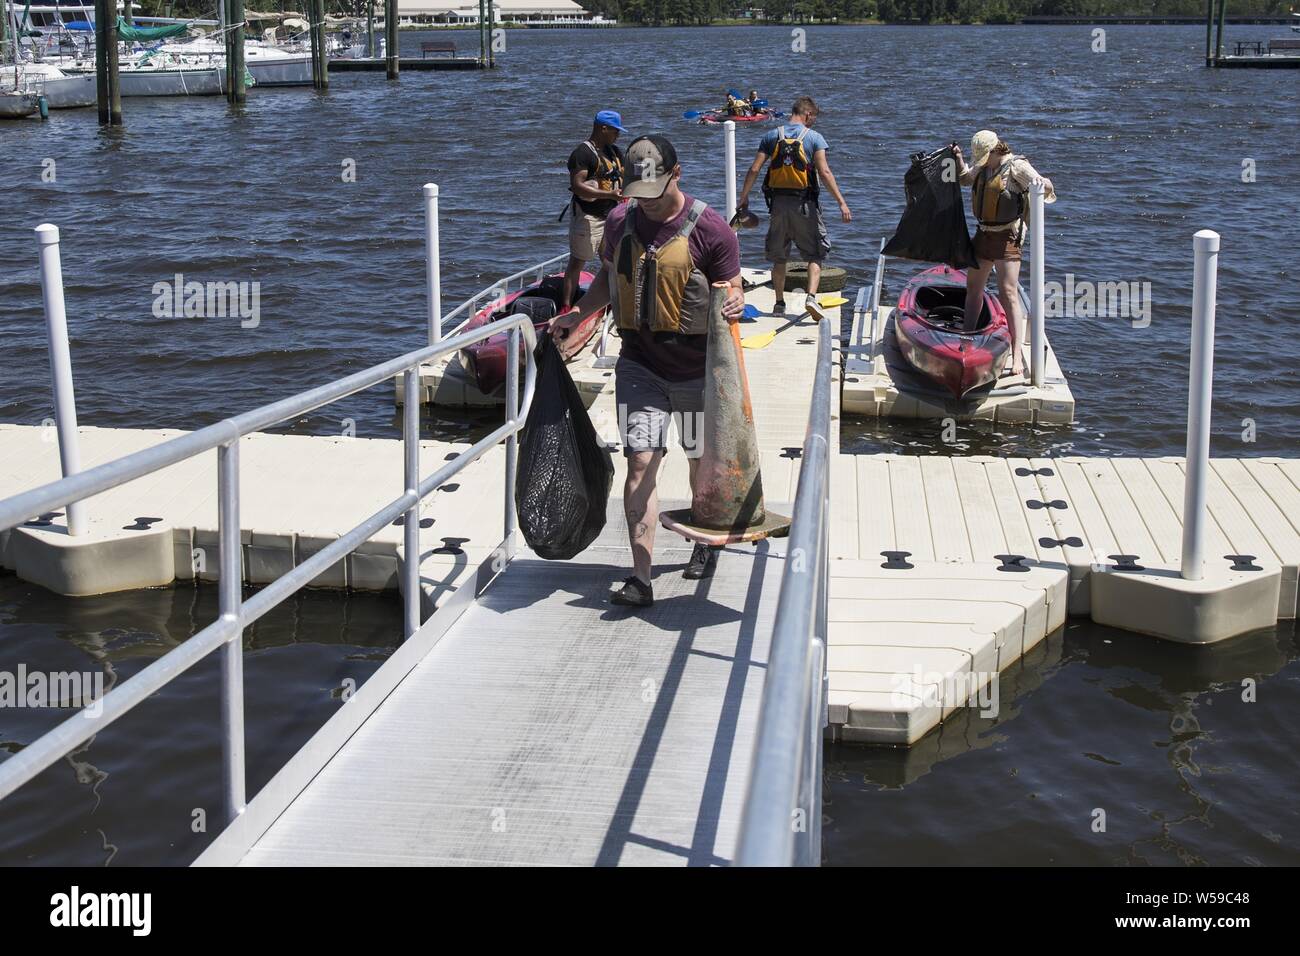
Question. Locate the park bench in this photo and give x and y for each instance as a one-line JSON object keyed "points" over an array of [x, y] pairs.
{"points": [[437, 47]]}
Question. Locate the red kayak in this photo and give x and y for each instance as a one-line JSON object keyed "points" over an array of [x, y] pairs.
{"points": [[721, 116], [928, 325], [485, 361]]}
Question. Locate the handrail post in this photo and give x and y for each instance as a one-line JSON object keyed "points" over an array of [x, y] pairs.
{"points": [[411, 482], [230, 600], [1205, 274], [56, 333], [729, 135], [433, 262], [512, 416], [1037, 332]]}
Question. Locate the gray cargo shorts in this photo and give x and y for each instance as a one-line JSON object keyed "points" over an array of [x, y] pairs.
{"points": [[795, 221], [647, 404]]}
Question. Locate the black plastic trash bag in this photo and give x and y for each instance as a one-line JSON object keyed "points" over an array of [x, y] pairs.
{"points": [[933, 227], [562, 487]]}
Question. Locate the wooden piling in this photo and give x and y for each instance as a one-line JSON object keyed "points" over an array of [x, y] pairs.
{"points": [[390, 38], [1218, 42], [317, 50], [370, 29], [101, 61], [108, 95], [491, 22], [1209, 32], [324, 46], [235, 61]]}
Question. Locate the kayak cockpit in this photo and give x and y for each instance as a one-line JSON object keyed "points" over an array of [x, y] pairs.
{"points": [[944, 307]]}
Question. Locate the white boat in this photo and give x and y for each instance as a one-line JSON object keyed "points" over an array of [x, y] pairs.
{"points": [[158, 73], [15, 104], [61, 90], [267, 63]]}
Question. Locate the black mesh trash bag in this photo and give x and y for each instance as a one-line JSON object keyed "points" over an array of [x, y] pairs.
{"points": [[933, 227], [564, 477]]}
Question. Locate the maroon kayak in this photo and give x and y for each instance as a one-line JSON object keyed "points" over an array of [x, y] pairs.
{"points": [[928, 325], [486, 360]]}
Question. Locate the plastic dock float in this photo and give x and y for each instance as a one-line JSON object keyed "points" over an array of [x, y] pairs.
{"points": [[407, 64], [944, 570], [879, 383]]}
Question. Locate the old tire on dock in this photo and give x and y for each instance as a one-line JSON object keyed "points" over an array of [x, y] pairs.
{"points": [[796, 277]]}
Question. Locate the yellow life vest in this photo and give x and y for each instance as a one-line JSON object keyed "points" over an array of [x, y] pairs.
{"points": [[609, 172], [994, 201], [790, 172], [659, 288]]}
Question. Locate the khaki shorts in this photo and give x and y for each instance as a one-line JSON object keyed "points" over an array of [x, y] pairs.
{"points": [[648, 405], [585, 234], [795, 221], [997, 246]]}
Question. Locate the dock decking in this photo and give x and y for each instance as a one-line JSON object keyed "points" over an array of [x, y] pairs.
{"points": [[879, 383], [944, 571]]}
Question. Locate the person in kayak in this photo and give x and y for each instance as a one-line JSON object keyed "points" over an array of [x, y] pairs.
{"points": [[791, 187], [735, 106], [595, 180], [999, 181], [659, 257], [751, 103]]}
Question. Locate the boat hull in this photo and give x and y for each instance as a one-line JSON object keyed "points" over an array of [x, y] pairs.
{"points": [[167, 82], [70, 92], [485, 361], [281, 71], [717, 117], [927, 326], [17, 105]]}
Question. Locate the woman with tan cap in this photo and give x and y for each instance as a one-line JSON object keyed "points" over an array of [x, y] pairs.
{"points": [[999, 181]]}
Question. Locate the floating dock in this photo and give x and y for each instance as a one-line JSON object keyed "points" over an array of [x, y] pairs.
{"points": [[941, 566], [407, 64], [879, 382]]}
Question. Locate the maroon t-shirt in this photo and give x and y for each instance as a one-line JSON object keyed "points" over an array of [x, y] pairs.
{"points": [[715, 252]]}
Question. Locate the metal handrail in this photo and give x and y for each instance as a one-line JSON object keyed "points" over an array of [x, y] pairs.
{"points": [[781, 824], [500, 288], [234, 613]]}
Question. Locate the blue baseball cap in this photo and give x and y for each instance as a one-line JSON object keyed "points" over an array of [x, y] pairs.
{"points": [[610, 118]]}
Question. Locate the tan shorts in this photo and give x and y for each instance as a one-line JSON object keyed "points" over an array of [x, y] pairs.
{"points": [[585, 234], [792, 221], [997, 246]]}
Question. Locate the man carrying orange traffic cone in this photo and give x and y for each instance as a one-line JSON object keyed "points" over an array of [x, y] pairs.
{"points": [[662, 257]]}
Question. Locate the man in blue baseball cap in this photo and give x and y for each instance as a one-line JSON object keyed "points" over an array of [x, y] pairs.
{"points": [[596, 182]]}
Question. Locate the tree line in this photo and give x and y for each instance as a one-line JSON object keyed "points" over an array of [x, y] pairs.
{"points": [[699, 12]]}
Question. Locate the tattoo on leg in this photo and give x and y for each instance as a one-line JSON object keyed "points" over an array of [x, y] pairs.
{"points": [[636, 528]]}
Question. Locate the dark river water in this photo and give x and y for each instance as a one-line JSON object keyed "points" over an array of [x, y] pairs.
{"points": [[1145, 147]]}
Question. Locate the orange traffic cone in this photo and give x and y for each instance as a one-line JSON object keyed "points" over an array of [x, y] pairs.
{"points": [[727, 502]]}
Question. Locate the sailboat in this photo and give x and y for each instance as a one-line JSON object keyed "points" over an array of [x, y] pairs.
{"points": [[17, 99]]}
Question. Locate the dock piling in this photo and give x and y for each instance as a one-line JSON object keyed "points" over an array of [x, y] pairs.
{"points": [[390, 38], [1218, 40], [1037, 331], [236, 89], [729, 134], [433, 262], [1209, 32], [56, 331], [1205, 245]]}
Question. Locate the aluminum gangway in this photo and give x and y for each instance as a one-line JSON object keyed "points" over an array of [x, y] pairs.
{"points": [[525, 721]]}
